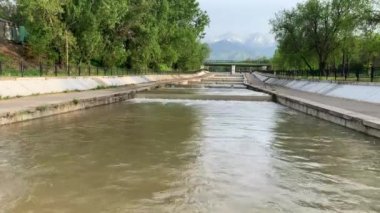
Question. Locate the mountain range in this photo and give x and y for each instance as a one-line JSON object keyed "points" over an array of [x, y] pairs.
{"points": [[232, 47]]}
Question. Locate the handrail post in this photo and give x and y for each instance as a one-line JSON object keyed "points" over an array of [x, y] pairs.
{"points": [[1, 68], [41, 69], [55, 70], [21, 69], [357, 75]]}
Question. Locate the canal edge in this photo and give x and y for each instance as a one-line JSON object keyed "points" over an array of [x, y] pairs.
{"points": [[352, 120], [47, 110]]}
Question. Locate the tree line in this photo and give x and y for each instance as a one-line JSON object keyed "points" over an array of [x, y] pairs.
{"points": [[136, 34], [328, 35]]}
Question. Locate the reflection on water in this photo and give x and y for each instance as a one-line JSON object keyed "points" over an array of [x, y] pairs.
{"points": [[187, 156], [337, 169]]}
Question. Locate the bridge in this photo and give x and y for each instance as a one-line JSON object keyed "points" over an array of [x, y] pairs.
{"points": [[235, 66]]}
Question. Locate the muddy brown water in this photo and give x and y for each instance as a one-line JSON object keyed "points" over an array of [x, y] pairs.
{"points": [[187, 156]]}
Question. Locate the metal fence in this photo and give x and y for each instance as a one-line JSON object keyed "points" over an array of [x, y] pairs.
{"points": [[366, 75], [22, 69]]}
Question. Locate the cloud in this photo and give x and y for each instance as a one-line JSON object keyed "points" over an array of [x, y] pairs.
{"points": [[240, 29], [242, 17]]}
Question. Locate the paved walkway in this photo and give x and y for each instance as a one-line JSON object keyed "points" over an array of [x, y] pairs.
{"points": [[32, 102], [14, 105], [364, 108]]}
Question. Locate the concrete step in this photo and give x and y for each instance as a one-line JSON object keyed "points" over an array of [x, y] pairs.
{"points": [[235, 78], [226, 76], [224, 86], [221, 85], [225, 79], [199, 85], [205, 97], [222, 82]]}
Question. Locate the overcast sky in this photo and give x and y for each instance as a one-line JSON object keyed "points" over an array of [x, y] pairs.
{"points": [[242, 17]]}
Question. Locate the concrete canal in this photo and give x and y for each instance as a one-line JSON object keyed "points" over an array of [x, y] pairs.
{"points": [[163, 154]]}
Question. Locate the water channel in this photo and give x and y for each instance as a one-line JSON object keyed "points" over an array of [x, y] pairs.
{"points": [[163, 155]]}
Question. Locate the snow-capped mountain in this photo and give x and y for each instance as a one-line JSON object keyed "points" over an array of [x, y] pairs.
{"points": [[233, 47]]}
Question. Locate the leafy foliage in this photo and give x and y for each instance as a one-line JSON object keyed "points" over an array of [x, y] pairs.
{"points": [[138, 34], [7, 9], [325, 33]]}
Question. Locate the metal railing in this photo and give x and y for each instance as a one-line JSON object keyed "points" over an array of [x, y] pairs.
{"points": [[23, 69], [365, 75]]}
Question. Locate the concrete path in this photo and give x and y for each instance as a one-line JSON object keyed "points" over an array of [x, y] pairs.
{"points": [[357, 115], [31, 102], [361, 107]]}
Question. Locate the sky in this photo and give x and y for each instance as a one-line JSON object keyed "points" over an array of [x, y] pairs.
{"points": [[242, 18]]}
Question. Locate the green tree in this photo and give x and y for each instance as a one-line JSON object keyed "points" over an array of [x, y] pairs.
{"points": [[46, 31], [317, 29], [139, 34], [8, 10]]}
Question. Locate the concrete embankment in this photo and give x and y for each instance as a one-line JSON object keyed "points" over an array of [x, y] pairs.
{"points": [[369, 92], [16, 87], [351, 113], [32, 107]]}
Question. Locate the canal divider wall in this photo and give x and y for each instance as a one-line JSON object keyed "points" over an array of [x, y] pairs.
{"points": [[16, 87], [33, 107], [364, 123]]}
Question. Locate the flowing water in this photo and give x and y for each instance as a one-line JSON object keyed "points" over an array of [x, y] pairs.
{"points": [[187, 156]]}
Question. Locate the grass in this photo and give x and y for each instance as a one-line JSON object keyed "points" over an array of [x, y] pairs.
{"points": [[99, 87], [41, 108], [75, 102], [4, 97], [8, 97]]}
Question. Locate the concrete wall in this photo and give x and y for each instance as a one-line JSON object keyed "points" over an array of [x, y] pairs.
{"points": [[32, 86], [355, 121], [360, 92]]}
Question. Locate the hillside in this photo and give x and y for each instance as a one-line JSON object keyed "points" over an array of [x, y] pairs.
{"points": [[11, 51]]}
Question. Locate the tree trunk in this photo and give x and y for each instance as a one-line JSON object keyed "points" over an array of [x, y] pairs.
{"points": [[307, 63], [322, 67], [328, 70], [343, 65]]}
